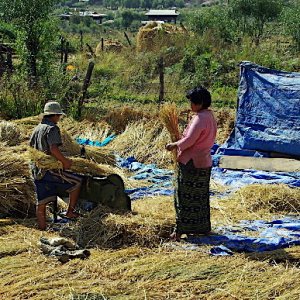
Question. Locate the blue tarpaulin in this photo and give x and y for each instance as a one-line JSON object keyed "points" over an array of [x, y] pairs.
{"points": [[276, 234], [84, 141], [268, 115], [162, 179]]}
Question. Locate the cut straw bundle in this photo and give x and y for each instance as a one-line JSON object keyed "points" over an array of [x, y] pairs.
{"points": [[79, 165], [169, 117]]}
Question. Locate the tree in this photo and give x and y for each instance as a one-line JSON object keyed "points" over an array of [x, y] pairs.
{"points": [[254, 14], [291, 21], [31, 19]]}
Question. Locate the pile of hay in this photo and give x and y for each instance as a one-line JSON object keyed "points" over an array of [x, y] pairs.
{"points": [[151, 222], [154, 36], [145, 140], [225, 119], [277, 198], [17, 196], [110, 45], [119, 118], [9, 133], [97, 155]]}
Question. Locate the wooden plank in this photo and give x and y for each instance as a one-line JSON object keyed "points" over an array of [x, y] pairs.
{"points": [[260, 163]]}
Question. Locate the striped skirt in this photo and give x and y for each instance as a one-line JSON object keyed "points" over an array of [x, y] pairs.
{"points": [[192, 199]]}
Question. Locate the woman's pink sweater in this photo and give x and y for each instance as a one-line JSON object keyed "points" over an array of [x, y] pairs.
{"points": [[197, 140]]}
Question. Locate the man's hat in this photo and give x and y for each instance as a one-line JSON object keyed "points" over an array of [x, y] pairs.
{"points": [[53, 108]]}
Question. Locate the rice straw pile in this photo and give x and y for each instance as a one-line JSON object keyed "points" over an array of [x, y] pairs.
{"points": [[277, 198], [9, 133], [105, 228], [145, 140], [100, 156], [17, 194], [225, 120], [119, 118]]}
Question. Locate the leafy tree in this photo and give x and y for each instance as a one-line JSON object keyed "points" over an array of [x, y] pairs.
{"points": [[253, 15], [215, 19], [31, 19], [291, 21]]}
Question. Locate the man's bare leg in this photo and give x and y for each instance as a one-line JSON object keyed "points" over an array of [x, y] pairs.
{"points": [[41, 216], [73, 198]]}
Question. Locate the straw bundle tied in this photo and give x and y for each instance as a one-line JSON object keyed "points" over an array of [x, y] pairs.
{"points": [[169, 117], [17, 194], [79, 165]]}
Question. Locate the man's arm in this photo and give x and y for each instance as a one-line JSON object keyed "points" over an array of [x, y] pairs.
{"points": [[59, 156]]}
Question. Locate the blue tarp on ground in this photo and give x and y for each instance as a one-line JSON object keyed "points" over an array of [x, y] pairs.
{"points": [[162, 179], [268, 116], [276, 234]]}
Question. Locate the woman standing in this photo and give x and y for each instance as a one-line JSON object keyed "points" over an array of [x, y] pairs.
{"points": [[194, 167]]}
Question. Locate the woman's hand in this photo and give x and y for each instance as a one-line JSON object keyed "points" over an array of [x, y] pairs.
{"points": [[171, 146]]}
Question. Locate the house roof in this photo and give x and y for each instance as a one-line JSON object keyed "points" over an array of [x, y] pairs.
{"points": [[162, 12]]}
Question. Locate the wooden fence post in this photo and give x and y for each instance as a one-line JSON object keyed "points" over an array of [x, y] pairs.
{"points": [[127, 38], [161, 80], [85, 87], [81, 40], [102, 44], [62, 49], [66, 52]]}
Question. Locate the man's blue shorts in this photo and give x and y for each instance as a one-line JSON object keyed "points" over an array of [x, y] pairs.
{"points": [[54, 183]]}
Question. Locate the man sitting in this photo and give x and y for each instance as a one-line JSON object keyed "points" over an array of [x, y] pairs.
{"points": [[49, 184]]}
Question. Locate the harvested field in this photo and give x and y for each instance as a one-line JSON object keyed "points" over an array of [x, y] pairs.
{"points": [[131, 256], [133, 259]]}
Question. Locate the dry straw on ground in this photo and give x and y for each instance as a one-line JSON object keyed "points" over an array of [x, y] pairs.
{"points": [[105, 228], [145, 140], [9, 133], [275, 198], [17, 195]]}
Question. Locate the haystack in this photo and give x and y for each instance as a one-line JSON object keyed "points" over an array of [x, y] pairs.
{"points": [[17, 196], [9, 133], [110, 45], [155, 35]]}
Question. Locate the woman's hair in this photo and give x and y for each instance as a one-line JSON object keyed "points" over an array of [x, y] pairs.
{"points": [[199, 95]]}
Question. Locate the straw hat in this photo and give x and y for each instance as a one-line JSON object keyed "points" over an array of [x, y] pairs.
{"points": [[53, 108]]}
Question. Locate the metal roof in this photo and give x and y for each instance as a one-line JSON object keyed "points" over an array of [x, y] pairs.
{"points": [[162, 12]]}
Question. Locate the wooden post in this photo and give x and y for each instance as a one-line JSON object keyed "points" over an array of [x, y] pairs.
{"points": [[91, 49], [102, 44], [66, 52], [62, 49], [85, 87], [81, 40], [127, 38], [161, 80]]}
